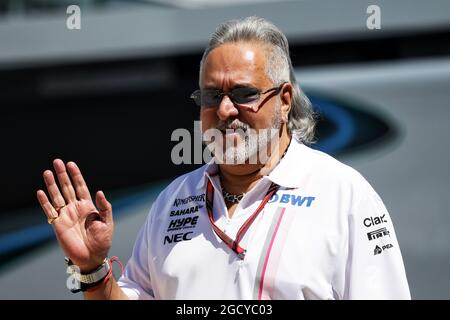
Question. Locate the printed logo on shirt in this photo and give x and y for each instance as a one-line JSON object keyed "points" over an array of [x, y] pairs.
{"points": [[378, 234], [198, 198], [371, 221], [185, 211], [379, 250], [178, 237], [292, 199], [183, 223]]}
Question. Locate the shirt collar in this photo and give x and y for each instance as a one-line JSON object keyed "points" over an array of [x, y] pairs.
{"points": [[291, 169], [288, 173], [209, 170]]}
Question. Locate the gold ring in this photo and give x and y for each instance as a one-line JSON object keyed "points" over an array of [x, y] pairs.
{"points": [[51, 220]]}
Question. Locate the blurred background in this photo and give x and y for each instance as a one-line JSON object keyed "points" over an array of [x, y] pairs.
{"points": [[109, 95]]}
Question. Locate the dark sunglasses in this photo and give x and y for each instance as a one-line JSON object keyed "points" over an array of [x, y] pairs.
{"points": [[242, 96]]}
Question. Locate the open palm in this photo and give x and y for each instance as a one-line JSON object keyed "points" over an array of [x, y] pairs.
{"points": [[83, 230]]}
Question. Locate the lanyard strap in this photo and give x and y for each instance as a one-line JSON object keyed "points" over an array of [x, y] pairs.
{"points": [[234, 244]]}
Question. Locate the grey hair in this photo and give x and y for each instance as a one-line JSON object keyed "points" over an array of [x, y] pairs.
{"points": [[301, 120]]}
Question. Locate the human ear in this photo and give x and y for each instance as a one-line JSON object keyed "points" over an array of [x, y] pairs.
{"points": [[286, 101]]}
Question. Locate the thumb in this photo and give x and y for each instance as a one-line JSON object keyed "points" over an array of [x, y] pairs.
{"points": [[104, 207]]}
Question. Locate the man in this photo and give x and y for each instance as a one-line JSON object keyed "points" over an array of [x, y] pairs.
{"points": [[297, 224]]}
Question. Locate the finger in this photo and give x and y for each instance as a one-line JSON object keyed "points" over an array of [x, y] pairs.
{"points": [[104, 207], [53, 190], [48, 208], [64, 181], [81, 188]]}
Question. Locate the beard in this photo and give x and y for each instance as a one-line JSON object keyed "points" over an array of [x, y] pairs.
{"points": [[235, 142]]}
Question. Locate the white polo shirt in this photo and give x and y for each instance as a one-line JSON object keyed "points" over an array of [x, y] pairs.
{"points": [[325, 234]]}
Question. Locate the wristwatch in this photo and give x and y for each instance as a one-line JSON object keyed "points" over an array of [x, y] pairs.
{"points": [[87, 280]]}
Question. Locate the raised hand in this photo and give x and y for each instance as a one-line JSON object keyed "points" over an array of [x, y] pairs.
{"points": [[83, 230]]}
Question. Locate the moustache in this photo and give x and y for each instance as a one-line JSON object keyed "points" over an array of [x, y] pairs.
{"points": [[232, 125]]}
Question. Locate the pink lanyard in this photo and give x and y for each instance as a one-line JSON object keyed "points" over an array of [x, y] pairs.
{"points": [[234, 244]]}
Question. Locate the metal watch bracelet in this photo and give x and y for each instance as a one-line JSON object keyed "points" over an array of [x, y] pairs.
{"points": [[88, 278]]}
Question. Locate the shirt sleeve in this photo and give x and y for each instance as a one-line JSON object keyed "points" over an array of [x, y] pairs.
{"points": [[135, 281], [374, 267]]}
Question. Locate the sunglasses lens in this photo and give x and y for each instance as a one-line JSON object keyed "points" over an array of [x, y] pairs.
{"points": [[210, 98], [245, 95]]}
